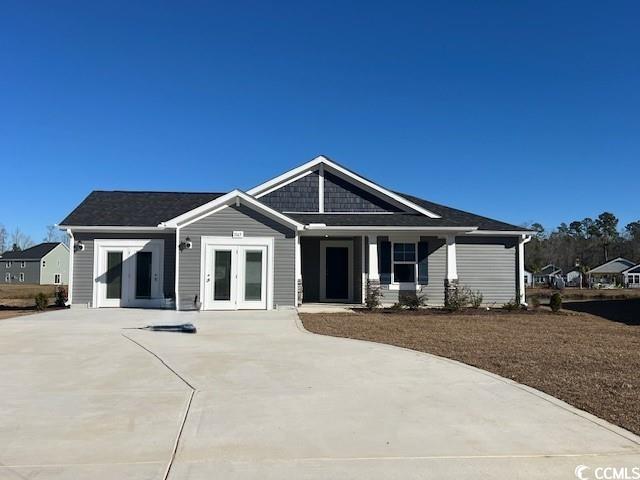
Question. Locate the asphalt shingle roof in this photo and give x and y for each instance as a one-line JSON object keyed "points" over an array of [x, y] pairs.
{"points": [[148, 209], [33, 253]]}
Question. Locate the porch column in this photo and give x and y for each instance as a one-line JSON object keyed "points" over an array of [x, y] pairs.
{"points": [[451, 279], [298, 271], [373, 259]]}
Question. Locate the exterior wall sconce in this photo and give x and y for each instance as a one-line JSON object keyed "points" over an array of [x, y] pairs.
{"points": [[186, 245], [78, 246]]}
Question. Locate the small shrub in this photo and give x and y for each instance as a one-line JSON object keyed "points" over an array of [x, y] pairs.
{"points": [[372, 300], [555, 302], [61, 297], [511, 305], [535, 302], [41, 301], [475, 298], [396, 306], [458, 299], [412, 301]]}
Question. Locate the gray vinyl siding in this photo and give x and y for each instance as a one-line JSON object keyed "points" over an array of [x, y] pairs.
{"points": [[253, 224], [83, 262], [310, 250], [437, 271], [488, 265], [31, 271], [342, 196], [54, 262], [299, 196]]}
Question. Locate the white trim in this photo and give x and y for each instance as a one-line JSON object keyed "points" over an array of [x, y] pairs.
{"points": [[322, 226], [7, 277], [404, 285], [298, 268], [452, 263], [321, 189], [363, 259], [23, 264], [340, 213], [521, 283], [502, 233], [8, 263], [21, 277], [71, 254], [213, 241], [323, 269], [219, 203], [176, 282], [325, 162], [373, 258], [99, 244]]}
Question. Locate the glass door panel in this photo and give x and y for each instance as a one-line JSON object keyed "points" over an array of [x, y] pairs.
{"points": [[114, 275], [143, 274], [253, 275], [222, 276]]}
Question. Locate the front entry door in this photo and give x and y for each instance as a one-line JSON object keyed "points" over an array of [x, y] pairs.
{"points": [[336, 271], [235, 277], [129, 275]]}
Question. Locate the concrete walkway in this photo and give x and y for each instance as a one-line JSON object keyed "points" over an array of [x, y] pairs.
{"points": [[268, 400]]}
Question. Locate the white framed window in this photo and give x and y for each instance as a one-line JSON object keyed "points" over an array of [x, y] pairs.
{"points": [[404, 260], [21, 277], [7, 264], [57, 279], [7, 277], [23, 264]]}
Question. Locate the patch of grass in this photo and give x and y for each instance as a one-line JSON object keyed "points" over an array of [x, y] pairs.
{"points": [[587, 293], [15, 291], [587, 361]]}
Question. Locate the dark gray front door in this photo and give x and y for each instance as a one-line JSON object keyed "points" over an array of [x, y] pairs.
{"points": [[337, 270]]}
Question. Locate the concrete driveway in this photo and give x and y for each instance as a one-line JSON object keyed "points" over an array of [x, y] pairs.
{"points": [[253, 396]]}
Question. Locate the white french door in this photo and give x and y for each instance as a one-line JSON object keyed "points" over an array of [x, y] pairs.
{"points": [[236, 276], [128, 273]]}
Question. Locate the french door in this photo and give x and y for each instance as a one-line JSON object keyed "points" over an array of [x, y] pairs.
{"points": [[128, 273], [235, 277]]}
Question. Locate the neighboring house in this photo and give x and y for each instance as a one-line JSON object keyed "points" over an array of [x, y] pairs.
{"points": [[547, 275], [610, 273], [632, 277], [528, 278], [317, 233], [43, 264], [574, 277]]}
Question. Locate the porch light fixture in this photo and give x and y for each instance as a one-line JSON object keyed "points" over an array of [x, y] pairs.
{"points": [[186, 245], [78, 246]]}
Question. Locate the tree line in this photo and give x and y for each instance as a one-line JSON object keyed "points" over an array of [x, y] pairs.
{"points": [[584, 243], [18, 240]]}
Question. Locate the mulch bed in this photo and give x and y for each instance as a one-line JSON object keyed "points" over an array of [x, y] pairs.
{"points": [[587, 361]]}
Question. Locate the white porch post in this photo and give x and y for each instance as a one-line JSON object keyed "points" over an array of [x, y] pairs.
{"points": [[72, 248], [298, 271], [373, 259], [521, 287], [452, 262]]}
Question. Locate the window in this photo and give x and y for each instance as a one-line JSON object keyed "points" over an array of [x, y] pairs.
{"points": [[404, 263], [7, 277], [23, 264], [44, 263], [22, 277], [7, 264], [56, 279]]}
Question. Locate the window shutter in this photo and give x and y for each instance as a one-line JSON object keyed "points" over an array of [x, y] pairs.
{"points": [[423, 263], [384, 262]]}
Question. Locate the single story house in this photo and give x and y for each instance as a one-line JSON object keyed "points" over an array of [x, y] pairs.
{"points": [[547, 275], [43, 264], [317, 233], [632, 277], [528, 278], [610, 273], [574, 277]]}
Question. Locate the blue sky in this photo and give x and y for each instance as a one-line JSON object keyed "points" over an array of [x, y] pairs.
{"points": [[523, 111]]}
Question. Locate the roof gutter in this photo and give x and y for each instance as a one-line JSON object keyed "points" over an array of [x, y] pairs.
{"points": [[322, 227], [112, 228]]}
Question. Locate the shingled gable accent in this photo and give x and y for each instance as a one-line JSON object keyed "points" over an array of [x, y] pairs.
{"points": [[340, 171]]}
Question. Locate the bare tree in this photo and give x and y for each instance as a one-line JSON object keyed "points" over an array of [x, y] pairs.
{"points": [[53, 234], [3, 238], [20, 240]]}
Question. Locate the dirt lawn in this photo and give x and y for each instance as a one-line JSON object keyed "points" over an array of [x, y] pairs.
{"points": [[587, 361]]}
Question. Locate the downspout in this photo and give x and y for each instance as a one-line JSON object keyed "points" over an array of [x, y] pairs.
{"points": [[521, 288], [70, 274], [177, 270]]}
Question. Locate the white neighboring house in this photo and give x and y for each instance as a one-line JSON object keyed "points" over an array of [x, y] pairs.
{"points": [[610, 274], [574, 277], [547, 275], [632, 277], [528, 278]]}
